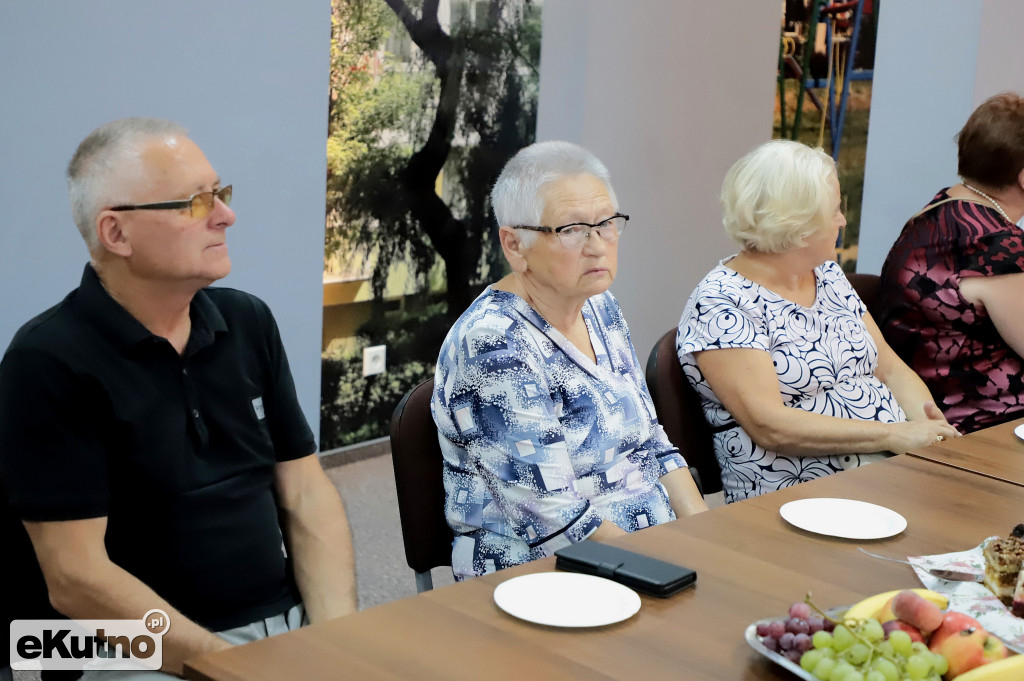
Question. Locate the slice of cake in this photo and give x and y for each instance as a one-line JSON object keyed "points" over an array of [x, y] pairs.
{"points": [[1017, 606], [1003, 559]]}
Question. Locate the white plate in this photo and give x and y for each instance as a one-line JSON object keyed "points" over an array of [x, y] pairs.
{"points": [[845, 518], [1019, 431], [566, 599]]}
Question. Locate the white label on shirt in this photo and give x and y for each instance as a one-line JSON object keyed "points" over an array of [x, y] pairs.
{"points": [[257, 406]]}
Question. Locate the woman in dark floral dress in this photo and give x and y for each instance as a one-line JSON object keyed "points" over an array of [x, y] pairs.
{"points": [[953, 284]]}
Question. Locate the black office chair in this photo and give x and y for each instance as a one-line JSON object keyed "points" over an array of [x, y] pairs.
{"points": [[680, 413], [416, 455], [868, 288]]}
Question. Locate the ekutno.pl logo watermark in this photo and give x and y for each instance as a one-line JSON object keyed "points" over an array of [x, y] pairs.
{"points": [[89, 644]]}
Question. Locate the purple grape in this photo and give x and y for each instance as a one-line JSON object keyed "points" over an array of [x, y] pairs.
{"points": [[762, 629], [830, 626], [797, 626], [786, 642], [800, 611], [771, 644], [815, 624], [793, 655], [802, 642], [776, 629]]}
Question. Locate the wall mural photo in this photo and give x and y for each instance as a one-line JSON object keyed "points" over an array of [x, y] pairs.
{"points": [[428, 100]]}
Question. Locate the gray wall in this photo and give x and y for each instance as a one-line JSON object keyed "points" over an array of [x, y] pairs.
{"points": [[668, 93], [932, 68], [248, 79]]}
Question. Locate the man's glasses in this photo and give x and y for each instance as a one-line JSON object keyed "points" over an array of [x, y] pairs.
{"points": [[575, 234], [200, 205]]}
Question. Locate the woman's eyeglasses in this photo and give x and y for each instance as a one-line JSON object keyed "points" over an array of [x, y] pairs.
{"points": [[575, 234], [200, 205]]}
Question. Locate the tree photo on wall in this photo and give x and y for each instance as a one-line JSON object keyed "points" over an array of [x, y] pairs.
{"points": [[418, 132]]}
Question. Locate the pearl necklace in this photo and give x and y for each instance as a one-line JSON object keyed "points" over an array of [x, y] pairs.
{"points": [[990, 200]]}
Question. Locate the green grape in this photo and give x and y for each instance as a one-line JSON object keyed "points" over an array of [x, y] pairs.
{"points": [[840, 671], [857, 654], [810, 659], [884, 648], [901, 643], [940, 664], [875, 675], [828, 652], [842, 638], [888, 670], [918, 666], [872, 630], [824, 668], [855, 675], [919, 647], [822, 639]]}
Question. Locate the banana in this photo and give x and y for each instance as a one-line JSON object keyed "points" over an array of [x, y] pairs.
{"points": [[1007, 669], [874, 605]]}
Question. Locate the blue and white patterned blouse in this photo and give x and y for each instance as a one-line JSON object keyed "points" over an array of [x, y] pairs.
{"points": [[540, 443], [824, 355]]}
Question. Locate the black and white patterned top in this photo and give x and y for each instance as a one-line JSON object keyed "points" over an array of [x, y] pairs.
{"points": [[823, 354]]}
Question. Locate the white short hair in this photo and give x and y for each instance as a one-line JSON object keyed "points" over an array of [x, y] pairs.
{"points": [[517, 197], [777, 195], [102, 164]]}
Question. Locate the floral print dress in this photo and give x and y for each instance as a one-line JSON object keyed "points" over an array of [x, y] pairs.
{"points": [[541, 443], [824, 356], [976, 378]]}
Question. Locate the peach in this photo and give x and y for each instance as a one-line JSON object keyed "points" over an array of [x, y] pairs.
{"points": [[917, 611]]}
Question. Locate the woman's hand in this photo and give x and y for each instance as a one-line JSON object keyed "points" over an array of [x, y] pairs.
{"points": [[607, 530], [909, 435]]}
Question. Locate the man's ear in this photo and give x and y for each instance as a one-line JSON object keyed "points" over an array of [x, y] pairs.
{"points": [[512, 246], [111, 233]]}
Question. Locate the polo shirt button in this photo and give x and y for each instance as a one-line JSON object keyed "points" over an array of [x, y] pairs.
{"points": [[195, 413]]}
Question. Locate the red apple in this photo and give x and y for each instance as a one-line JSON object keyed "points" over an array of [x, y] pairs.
{"points": [[893, 625], [965, 644]]}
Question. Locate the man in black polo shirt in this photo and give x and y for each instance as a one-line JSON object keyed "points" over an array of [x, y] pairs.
{"points": [[150, 436]]}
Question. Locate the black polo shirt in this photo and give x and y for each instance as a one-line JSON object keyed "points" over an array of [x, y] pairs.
{"points": [[99, 417]]}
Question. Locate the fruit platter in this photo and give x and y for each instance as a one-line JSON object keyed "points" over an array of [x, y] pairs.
{"points": [[892, 636]]}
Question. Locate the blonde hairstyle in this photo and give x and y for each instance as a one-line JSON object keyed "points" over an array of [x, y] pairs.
{"points": [[777, 195], [518, 197]]}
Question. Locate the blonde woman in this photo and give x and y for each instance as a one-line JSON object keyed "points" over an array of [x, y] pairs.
{"points": [[794, 376]]}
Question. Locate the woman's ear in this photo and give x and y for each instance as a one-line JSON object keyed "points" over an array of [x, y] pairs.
{"points": [[512, 246]]}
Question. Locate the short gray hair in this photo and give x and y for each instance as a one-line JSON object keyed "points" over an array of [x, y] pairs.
{"points": [[517, 195], [777, 195], [103, 160]]}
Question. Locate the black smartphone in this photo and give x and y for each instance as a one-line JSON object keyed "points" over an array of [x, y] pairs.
{"points": [[642, 573]]}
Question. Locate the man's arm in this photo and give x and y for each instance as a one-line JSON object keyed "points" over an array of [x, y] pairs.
{"points": [[84, 584], [318, 538]]}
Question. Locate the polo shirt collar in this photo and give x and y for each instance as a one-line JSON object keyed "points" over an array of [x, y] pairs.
{"points": [[124, 331]]}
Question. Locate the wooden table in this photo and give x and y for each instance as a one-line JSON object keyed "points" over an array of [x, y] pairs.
{"points": [[995, 452], [751, 564]]}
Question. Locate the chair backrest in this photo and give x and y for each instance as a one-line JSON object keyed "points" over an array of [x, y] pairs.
{"points": [[680, 412], [416, 455], [867, 287]]}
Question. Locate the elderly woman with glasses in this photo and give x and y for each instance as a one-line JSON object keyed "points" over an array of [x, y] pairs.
{"points": [[794, 376], [548, 431]]}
